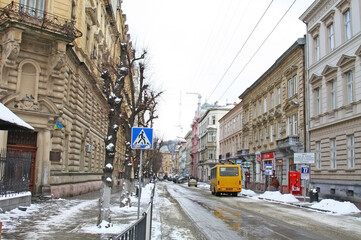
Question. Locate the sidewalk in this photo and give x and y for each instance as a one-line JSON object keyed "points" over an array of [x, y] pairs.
{"points": [[323, 205]]}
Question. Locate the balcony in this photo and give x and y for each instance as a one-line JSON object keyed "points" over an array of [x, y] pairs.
{"points": [[16, 14], [290, 144]]}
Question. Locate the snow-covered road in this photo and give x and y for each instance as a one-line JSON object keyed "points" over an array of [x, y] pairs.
{"points": [[250, 218]]}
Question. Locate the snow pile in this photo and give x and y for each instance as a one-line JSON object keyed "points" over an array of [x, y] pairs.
{"points": [[336, 206], [277, 196], [248, 192]]}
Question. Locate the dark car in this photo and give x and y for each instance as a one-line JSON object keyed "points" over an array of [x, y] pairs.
{"points": [[182, 180]]}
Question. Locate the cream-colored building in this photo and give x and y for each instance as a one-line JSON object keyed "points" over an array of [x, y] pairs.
{"points": [[274, 121], [334, 94], [230, 135], [51, 60], [208, 148]]}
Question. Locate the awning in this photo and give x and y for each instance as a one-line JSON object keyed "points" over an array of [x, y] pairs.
{"points": [[9, 121]]}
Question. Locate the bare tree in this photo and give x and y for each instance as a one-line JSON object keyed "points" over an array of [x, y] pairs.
{"points": [[114, 88], [141, 102]]}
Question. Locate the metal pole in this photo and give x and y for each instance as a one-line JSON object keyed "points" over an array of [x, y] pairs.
{"points": [[140, 181]]}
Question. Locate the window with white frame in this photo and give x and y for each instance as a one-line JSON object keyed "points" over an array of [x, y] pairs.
{"points": [[265, 105], [333, 153], [211, 137], [278, 96], [351, 151], [347, 22], [349, 87], [259, 108], [34, 8], [213, 120], [316, 42], [272, 100], [318, 101], [331, 37], [292, 125], [332, 86], [279, 130], [295, 124], [292, 86], [210, 154], [271, 133], [318, 155]]}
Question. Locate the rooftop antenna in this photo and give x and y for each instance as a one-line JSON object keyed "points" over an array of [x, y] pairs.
{"points": [[199, 102]]}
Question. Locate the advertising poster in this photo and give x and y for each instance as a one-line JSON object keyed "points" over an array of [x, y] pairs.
{"points": [[294, 183]]}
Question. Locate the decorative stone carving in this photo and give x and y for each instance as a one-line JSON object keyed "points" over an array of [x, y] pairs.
{"points": [[27, 103], [11, 52]]}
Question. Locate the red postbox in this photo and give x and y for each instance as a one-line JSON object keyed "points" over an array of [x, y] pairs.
{"points": [[294, 183]]}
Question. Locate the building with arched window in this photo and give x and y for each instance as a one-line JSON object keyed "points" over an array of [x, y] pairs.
{"points": [[50, 76]]}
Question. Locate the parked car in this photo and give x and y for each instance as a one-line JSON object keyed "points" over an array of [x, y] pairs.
{"points": [[182, 180], [192, 182]]}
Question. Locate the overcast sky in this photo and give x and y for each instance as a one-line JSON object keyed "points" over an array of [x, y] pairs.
{"points": [[215, 48]]}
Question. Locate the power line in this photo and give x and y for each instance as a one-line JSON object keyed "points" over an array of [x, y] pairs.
{"points": [[258, 49], [249, 36]]}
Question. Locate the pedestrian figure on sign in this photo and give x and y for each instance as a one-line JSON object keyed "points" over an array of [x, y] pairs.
{"points": [[142, 139]]}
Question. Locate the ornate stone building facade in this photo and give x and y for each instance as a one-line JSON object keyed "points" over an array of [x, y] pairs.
{"points": [[51, 58], [274, 121], [334, 93]]}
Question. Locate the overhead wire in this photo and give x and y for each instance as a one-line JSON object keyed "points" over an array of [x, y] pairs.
{"points": [[257, 50], [249, 36]]}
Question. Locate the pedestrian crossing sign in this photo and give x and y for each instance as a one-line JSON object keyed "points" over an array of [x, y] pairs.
{"points": [[142, 138]]}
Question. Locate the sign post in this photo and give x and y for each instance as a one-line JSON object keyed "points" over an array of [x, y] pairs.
{"points": [[307, 159], [142, 138]]}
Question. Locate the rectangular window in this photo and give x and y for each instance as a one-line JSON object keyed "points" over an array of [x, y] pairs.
{"points": [[331, 37], [295, 88], [254, 111], [259, 107], [333, 153], [351, 151], [34, 8], [332, 95], [289, 88], [211, 137], [295, 124], [349, 79], [265, 105], [317, 48], [318, 100], [278, 96], [318, 155], [271, 133], [272, 102], [214, 120], [289, 126], [279, 130], [210, 154], [347, 19]]}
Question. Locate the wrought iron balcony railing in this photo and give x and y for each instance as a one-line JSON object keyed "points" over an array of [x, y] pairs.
{"points": [[22, 14]]}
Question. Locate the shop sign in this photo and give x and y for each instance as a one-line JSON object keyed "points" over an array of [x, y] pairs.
{"points": [[268, 156]]}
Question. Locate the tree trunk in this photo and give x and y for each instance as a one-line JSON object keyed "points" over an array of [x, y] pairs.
{"points": [[104, 205]]}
